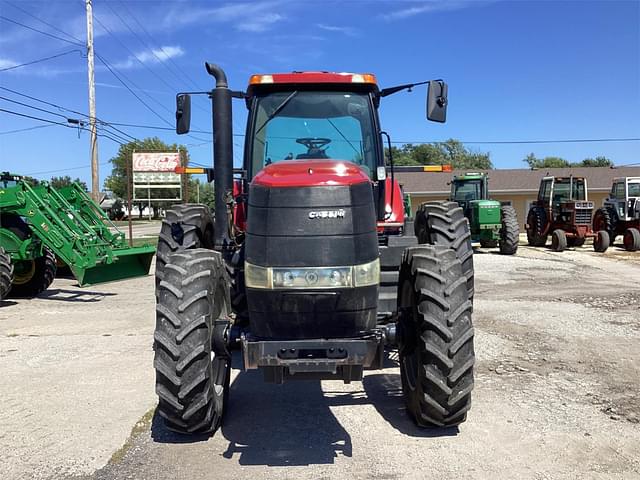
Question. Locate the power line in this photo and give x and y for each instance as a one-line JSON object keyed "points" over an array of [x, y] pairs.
{"points": [[40, 31], [79, 126], [80, 167], [25, 129], [142, 27], [40, 60], [516, 142], [111, 34], [45, 23], [60, 107]]}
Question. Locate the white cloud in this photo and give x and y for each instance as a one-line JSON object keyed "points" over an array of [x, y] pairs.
{"points": [[6, 63], [259, 24], [246, 16], [153, 56], [349, 31], [427, 6]]}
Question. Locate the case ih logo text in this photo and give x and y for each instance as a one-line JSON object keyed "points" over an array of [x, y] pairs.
{"points": [[327, 214]]}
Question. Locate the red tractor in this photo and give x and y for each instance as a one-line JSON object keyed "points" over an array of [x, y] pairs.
{"points": [[308, 265], [564, 211]]}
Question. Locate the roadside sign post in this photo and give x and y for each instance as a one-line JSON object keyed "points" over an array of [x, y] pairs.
{"points": [[156, 171]]}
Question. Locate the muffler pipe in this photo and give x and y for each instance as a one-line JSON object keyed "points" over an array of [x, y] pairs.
{"points": [[222, 153]]}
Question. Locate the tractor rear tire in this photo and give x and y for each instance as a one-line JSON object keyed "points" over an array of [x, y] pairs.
{"points": [[604, 219], [42, 272], [6, 274], [536, 223], [558, 240], [632, 239], [488, 243], [185, 227], [510, 231], [192, 374], [443, 223], [602, 241], [435, 337]]}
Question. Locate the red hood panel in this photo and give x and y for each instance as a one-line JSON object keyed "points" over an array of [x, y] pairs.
{"points": [[310, 173]]}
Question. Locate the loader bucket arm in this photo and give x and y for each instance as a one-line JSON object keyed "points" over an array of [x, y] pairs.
{"points": [[74, 227]]}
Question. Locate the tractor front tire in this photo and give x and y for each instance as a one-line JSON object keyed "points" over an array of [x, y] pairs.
{"points": [[32, 277], [632, 239], [558, 240], [443, 223], [488, 243], [6, 274], [435, 337], [536, 224], [184, 227], [510, 231], [192, 373], [602, 241]]}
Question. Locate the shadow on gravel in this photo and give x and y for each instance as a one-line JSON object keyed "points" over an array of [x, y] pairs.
{"points": [[7, 303], [292, 424], [83, 296], [282, 425], [384, 392], [161, 434]]}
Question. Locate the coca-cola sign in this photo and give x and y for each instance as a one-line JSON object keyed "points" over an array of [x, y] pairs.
{"points": [[156, 161]]}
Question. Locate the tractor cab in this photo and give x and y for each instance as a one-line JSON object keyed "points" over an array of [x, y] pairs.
{"points": [[469, 188], [625, 198], [566, 199]]}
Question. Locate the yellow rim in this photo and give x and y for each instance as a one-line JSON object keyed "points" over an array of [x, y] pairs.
{"points": [[25, 274]]}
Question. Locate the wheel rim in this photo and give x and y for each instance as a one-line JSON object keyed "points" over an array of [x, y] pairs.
{"points": [[24, 272], [598, 223], [628, 241], [409, 354]]}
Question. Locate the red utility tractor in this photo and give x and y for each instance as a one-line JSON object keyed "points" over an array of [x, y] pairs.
{"points": [[564, 211], [308, 265]]}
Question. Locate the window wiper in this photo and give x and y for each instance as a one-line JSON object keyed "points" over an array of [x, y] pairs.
{"points": [[276, 111]]}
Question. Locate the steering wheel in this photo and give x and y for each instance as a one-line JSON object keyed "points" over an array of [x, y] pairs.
{"points": [[313, 143]]}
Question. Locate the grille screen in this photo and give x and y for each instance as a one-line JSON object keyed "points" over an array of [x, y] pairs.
{"points": [[583, 216]]}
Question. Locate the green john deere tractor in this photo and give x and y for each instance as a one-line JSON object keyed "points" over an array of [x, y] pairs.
{"points": [[492, 224], [40, 224]]}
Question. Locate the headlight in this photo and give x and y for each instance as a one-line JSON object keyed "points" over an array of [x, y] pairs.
{"points": [[312, 277]]}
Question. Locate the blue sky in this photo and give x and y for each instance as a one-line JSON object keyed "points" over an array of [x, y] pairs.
{"points": [[517, 70]]}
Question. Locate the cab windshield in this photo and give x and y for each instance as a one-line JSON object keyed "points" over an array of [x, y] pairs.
{"points": [[467, 190], [634, 189], [562, 190], [308, 125]]}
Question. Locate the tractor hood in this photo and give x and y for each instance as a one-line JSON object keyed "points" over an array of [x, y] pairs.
{"points": [[310, 173]]}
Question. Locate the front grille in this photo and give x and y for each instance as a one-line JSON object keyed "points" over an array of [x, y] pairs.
{"points": [[583, 216]]}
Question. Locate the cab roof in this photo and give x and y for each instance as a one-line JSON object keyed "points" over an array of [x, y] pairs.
{"points": [[367, 81]]}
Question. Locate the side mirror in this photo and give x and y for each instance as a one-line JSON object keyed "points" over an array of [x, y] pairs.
{"points": [[183, 113], [437, 101]]}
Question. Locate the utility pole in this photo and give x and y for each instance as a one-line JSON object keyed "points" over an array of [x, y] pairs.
{"points": [[95, 182]]}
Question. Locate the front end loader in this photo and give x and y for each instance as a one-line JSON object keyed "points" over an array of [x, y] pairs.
{"points": [[308, 266], [39, 224]]}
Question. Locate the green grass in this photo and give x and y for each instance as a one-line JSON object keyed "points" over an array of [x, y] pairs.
{"points": [[138, 242]]}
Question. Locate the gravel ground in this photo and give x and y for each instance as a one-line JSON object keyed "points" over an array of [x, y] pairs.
{"points": [[556, 393]]}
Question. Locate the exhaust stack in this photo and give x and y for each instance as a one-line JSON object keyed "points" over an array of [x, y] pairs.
{"points": [[222, 153]]}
